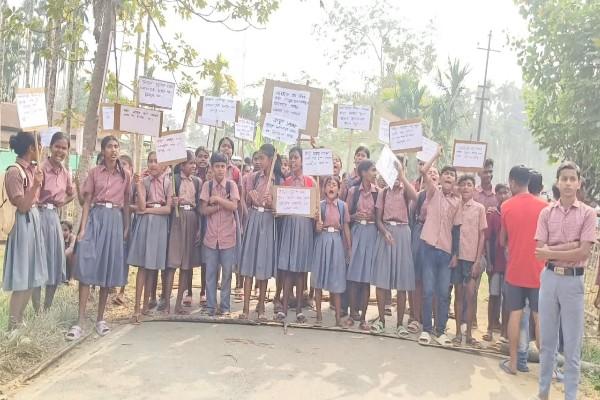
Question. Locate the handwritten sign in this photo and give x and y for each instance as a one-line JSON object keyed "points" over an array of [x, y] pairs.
{"points": [[384, 130], [142, 121], [469, 156], [209, 122], [386, 165], [429, 149], [170, 149], [317, 162], [46, 135], [352, 117], [244, 129], [291, 104], [154, 92], [219, 108], [31, 107], [107, 120], [280, 129], [295, 201], [406, 135]]}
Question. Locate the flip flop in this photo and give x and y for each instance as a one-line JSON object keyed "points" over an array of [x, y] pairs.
{"points": [[348, 323], [377, 328], [74, 333], [300, 318], [488, 337], [425, 338], [102, 328], [444, 340], [506, 368], [401, 331], [414, 326], [280, 316], [457, 341], [364, 326], [187, 301], [474, 343]]}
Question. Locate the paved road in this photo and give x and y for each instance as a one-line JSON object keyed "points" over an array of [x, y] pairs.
{"points": [[166, 360]]}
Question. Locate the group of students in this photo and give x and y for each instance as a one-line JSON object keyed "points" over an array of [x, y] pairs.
{"points": [[421, 238]]}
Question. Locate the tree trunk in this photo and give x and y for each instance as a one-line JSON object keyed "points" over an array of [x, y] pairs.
{"points": [[71, 78], [2, 39], [52, 64]]}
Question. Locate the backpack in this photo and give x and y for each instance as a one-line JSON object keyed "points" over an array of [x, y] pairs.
{"points": [[277, 180], [414, 216], [341, 208], [196, 181], [355, 195], [8, 210], [227, 189]]}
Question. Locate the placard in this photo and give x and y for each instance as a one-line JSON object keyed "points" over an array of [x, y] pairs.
{"points": [[31, 107], [469, 156], [208, 122], [296, 201], [384, 130], [317, 162], [352, 117], [406, 135], [170, 149], [300, 103], [429, 149], [46, 135], [280, 129], [156, 93], [244, 129], [218, 108], [107, 117], [387, 166], [142, 121]]}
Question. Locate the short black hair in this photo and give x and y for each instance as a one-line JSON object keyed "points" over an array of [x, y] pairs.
{"points": [[519, 174], [218, 158], [555, 192], [466, 177], [364, 149], [488, 163], [248, 161], [67, 224], [536, 184], [201, 149], [568, 165], [448, 168], [500, 186], [364, 166]]}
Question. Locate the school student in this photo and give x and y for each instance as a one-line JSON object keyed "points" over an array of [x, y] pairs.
{"points": [[127, 164], [56, 191], [149, 234], [219, 200], [69, 239], [104, 228], [332, 249], [184, 245], [25, 264], [360, 154], [470, 226], [442, 206], [393, 264], [362, 199], [259, 251], [295, 242], [566, 231]]}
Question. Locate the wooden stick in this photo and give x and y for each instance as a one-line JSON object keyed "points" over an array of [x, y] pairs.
{"points": [[268, 188], [318, 202], [215, 138], [173, 183], [37, 148]]}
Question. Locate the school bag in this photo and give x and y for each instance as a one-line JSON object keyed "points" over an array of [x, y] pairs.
{"points": [[414, 216], [355, 195], [227, 189], [8, 212], [341, 210], [196, 181]]}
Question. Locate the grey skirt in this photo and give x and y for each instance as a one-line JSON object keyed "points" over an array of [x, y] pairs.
{"points": [[56, 261], [295, 244], [328, 270], [258, 255], [393, 264], [24, 257], [183, 251], [363, 252], [100, 255], [148, 243]]}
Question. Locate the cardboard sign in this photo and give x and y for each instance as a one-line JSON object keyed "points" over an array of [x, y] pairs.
{"points": [[142, 121], [317, 162], [46, 135], [429, 149], [156, 93], [298, 103], [384, 130], [170, 149], [208, 122], [218, 108], [31, 107], [469, 156], [386, 166], [107, 117], [295, 201], [352, 117], [244, 129], [406, 136], [280, 129]]}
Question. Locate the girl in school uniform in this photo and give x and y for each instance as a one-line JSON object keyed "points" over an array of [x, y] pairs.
{"points": [[183, 250], [337, 169], [393, 264], [259, 252], [149, 234], [25, 265], [56, 191], [332, 247], [360, 154], [127, 164], [361, 201], [295, 242], [104, 228]]}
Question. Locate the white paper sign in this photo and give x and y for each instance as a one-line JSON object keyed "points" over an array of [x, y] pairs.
{"points": [[142, 121], [469, 154], [291, 104], [31, 107], [153, 92], [406, 137], [429, 149], [108, 118], [293, 201], [280, 129], [171, 149], [353, 117], [219, 108], [317, 162], [386, 165], [46, 135], [244, 129], [384, 130], [209, 122]]}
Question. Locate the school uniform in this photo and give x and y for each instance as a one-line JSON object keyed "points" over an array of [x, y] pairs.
{"points": [[472, 221], [57, 181], [296, 235], [393, 265], [220, 243], [150, 232], [417, 218], [183, 251], [328, 267], [100, 255]]}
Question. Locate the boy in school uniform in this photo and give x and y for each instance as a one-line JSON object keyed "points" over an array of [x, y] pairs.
{"points": [[566, 231], [219, 201]]}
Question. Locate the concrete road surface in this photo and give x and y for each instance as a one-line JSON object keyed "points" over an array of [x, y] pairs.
{"points": [[167, 360]]}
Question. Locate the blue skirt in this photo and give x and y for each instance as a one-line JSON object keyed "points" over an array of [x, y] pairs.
{"points": [[363, 252], [56, 261], [295, 244], [149, 239], [328, 269], [259, 253], [393, 265]]}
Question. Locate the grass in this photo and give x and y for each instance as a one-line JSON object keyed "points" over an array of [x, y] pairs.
{"points": [[591, 353]]}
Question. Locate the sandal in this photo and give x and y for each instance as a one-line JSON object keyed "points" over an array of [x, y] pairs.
{"points": [[74, 333], [102, 328], [203, 299], [401, 331], [348, 323], [414, 326], [425, 338], [506, 368], [474, 343], [388, 311], [280, 316], [378, 328], [187, 301], [444, 340], [364, 326], [488, 337], [457, 341], [300, 318]]}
